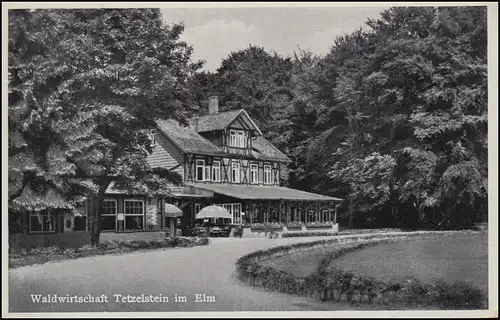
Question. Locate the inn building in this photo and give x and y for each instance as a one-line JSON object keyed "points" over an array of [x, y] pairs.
{"points": [[224, 159]]}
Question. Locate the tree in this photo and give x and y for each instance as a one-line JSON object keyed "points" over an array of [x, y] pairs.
{"points": [[85, 82], [254, 80], [422, 91]]}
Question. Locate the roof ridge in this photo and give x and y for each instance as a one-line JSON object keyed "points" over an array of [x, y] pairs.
{"points": [[218, 113]]}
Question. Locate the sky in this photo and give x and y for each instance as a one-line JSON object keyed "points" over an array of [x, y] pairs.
{"points": [[215, 32]]}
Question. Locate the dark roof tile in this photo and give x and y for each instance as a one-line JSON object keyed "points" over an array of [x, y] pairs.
{"points": [[265, 150], [186, 139], [212, 122]]}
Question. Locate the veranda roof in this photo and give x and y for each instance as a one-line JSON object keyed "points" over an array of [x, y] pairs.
{"points": [[263, 192]]}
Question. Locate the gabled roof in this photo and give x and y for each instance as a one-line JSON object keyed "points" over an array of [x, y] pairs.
{"points": [[220, 121], [186, 139], [263, 192], [265, 150]]}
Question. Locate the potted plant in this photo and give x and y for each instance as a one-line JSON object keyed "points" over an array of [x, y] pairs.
{"points": [[295, 225], [319, 225], [256, 227], [238, 232]]}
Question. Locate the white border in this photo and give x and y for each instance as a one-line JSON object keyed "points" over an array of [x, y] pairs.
{"points": [[492, 158]]}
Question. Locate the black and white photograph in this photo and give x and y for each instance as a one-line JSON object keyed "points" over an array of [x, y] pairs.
{"points": [[279, 159]]}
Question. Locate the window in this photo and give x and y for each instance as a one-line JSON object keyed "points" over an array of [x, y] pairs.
{"points": [[240, 139], [152, 136], [200, 170], [232, 138], [235, 173], [254, 173], [216, 171], [235, 210], [108, 215], [80, 223], [311, 217], [207, 173], [197, 208], [134, 215], [42, 221], [80, 218], [267, 174], [237, 138]]}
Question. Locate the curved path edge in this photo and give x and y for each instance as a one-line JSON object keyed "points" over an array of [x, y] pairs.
{"points": [[196, 272]]}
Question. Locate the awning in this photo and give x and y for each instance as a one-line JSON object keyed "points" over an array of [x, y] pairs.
{"points": [[213, 211], [172, 211], [248, 192]]}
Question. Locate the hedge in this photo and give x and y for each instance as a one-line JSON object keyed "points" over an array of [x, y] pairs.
{"points": [[54, 253], [329, 284], [307, 234]]}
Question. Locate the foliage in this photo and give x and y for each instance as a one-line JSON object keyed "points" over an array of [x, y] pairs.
{"points": [[329, 284], [54, 253], [393, 118], [238, 231], [200, 232], [83, 84], [295, 224], [307, 234], [318, 224]]}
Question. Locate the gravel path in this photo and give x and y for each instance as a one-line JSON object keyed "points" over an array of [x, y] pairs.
{"points": [[201, 270]]}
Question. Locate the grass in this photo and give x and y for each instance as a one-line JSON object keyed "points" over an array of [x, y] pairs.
{"points": [[302, 264], [451, 259], [316, 272]]}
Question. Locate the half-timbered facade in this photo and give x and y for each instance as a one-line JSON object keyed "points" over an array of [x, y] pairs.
{"points": [[224, 159]]}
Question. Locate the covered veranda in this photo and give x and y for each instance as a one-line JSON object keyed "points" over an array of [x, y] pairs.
{"points": [[263, 204]]}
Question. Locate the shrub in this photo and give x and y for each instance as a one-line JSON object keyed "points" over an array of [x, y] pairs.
{"points": [[200, 232], [459, 296], [319, 224], [238, 231], [307, 234], [295, 224], [45, 254], [329, 284]]}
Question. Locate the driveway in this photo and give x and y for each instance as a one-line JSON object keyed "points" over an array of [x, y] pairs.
{"points": [[183, 272]]}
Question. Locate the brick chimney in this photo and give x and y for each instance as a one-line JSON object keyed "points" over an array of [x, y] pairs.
{"points": [[213, 105]]}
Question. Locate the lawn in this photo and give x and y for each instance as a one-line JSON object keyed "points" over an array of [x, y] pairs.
{"points": [[462, 257], [301, 264]]}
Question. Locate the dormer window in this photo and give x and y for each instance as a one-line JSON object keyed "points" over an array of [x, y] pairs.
{"points": [[237, 138], [152, 136]]}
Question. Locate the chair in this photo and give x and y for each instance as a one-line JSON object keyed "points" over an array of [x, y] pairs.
{"points": [[215, 232], [226, 231]]}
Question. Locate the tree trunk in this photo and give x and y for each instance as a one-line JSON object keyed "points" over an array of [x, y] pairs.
{"points": [[450, 208], [350, 223], [96, 226]]}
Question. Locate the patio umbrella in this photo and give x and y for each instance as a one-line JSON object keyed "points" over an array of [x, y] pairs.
{"points": [[213, 211], [172, 211]]}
